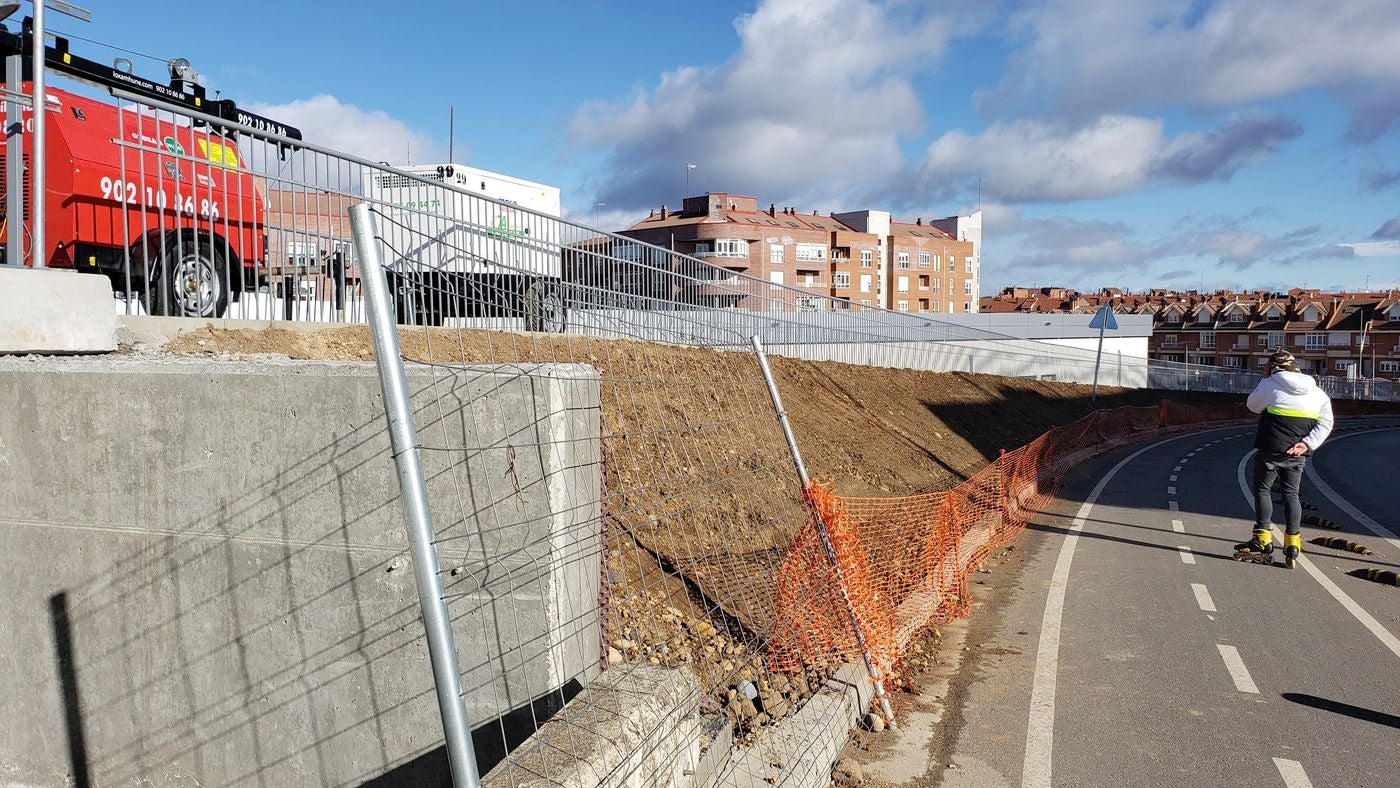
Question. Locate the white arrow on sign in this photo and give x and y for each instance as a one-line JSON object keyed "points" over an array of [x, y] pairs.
{"points": [[1104, 319]]}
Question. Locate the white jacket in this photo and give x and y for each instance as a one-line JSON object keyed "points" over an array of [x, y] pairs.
{"points": [[1294, 409]]}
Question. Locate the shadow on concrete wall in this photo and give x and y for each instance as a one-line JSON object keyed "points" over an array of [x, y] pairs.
{"points": [[269, 633]]}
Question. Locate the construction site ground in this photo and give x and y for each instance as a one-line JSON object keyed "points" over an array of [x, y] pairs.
{"points": [[703, 601]]}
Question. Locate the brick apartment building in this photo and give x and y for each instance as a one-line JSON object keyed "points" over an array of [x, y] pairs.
{"points": [[1329, 333], [862, 257]]}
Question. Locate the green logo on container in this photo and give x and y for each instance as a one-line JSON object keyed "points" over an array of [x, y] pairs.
{"points": [[174, 146]]}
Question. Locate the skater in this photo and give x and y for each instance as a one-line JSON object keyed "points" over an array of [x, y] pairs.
{"points": [[1295, 418]]}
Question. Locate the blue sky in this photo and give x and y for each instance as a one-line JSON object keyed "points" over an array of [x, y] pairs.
{"points": [[1178, 143]]}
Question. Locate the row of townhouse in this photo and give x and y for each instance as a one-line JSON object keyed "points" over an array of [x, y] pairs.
{"points": [[1346, 335], [864, 257], [1333, 334]]}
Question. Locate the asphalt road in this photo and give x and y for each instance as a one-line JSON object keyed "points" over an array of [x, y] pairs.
{"points": [[1134, 651]]}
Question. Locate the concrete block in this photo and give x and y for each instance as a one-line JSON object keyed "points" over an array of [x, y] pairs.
{"points": [[53, 311], [636, 725], [212, 558]]}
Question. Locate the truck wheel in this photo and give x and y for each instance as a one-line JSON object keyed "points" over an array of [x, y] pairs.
{"points": [[193, 284], [544, 308]]}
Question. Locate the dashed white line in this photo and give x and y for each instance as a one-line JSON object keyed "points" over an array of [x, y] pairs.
{"points": [[1173, 478], [1367, 620], [1178, 526], [1040, 722], [1203, 598], [1177, 468], [1171, 491], [1187, 557], [1173, 506], [1292, 773], [1184, 460], [1238, 672]]}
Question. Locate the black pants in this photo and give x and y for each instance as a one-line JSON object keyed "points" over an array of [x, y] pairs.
{"points": [[1288, 472]]}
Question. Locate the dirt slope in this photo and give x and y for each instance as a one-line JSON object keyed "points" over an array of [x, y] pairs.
{"points": [[700, 495]]}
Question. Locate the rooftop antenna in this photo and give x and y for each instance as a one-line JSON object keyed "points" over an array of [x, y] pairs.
{"points": [[451, 128]]}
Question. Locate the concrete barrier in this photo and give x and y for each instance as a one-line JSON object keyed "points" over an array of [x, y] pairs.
{"points": [[55, 311], [206, 578]]}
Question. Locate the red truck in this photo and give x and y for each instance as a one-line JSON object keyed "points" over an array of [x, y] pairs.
{"points": [[163, 207]]}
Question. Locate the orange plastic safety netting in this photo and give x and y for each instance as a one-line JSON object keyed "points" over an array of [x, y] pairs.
{"points": [[891, 566]]}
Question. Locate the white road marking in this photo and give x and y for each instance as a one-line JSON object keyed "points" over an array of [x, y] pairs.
{"points": [[1292, 773], [1187, 557], [1238, 672], [1177, 468], [1171, 491], [1203, 598], [1184, 460], [1366, 619], [1179, 526], [1172, 505], [1173, 478], [1345, 505], [1040, 722]]}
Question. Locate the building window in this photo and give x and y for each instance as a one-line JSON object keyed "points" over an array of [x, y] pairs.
{"points": [[937, 263], [967, 265], [903, 284], [1315, 340], [1170, 340], [935, 282], [903, 259], [866, 258], [1343, 366], [967, 287], [865, 302], [1263, 361], [937, 306], [811, 252], [950, 286], [1390, 366], [810, 304], [901, 306], [923, 259], [1208, 340], [775, 254], [776, 277], [731, 247], [1230, 361], [1338, 338], [967, 306], [841, 279], [865, 283], [1277, 339]]}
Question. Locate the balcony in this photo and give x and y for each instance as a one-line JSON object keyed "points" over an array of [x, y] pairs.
{"points": [[704, 253]]}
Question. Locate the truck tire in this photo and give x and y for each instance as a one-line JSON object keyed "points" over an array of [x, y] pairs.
{"points": [[194, 282], [544, 307]]}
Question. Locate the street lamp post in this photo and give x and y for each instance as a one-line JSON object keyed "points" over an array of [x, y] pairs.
{"points": [[688, 167]]}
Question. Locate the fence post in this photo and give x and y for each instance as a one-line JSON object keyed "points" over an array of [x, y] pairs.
{"points": [[870, 666], [442, 652]]}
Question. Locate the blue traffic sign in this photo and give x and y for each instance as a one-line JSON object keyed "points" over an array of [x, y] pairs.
{"points": [[1104, 319]]}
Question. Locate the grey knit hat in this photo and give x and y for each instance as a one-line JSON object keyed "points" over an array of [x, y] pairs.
{"points": [[1283, 360]]}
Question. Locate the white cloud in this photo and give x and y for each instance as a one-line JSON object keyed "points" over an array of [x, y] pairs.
{"points": [[813, 102], [1034, 159], [1087, 57], [371, 134]]}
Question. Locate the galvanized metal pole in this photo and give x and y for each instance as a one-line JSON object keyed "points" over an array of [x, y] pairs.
{"points": [[870, 666], [14, 158], [442, 652], [1094, 393], [36, 161]]}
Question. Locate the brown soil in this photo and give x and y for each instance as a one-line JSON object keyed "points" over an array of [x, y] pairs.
{"points": [[700, 494]]}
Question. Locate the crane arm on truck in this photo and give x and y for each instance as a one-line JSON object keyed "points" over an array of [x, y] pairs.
{"points": [[181, 92]]}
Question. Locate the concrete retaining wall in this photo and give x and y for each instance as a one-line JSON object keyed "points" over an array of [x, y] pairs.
{"points": [[207, 581]]}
